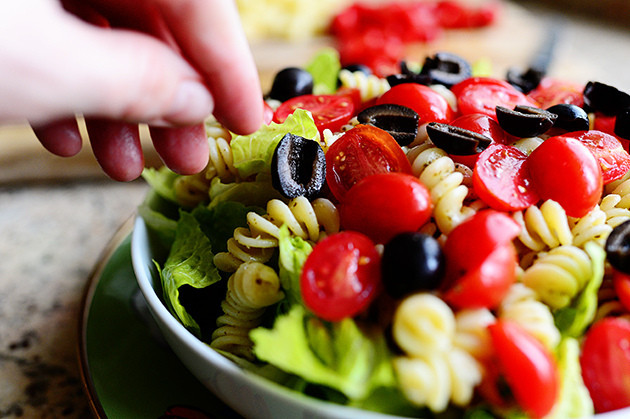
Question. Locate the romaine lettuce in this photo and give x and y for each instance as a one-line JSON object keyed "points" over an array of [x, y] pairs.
{"points": [[293, 253], [324, 68]]}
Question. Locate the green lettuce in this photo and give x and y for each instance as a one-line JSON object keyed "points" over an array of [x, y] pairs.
{"points": [[324, 68], [293, 252], [574, 319], [253, 153], [189, 263], [161, 181], [257, 192], [337, 355], [218, 223]]}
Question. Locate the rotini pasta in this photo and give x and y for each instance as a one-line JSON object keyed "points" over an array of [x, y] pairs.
{"points": [[615, 212], [557, 276], [471, 331], [591, 227], [370, 86], [310, 221], [544, 227], [251, 288]]}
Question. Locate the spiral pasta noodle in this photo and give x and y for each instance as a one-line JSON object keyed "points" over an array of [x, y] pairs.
{"points": [[615, 212], [591, 227], [521, 306], [309, 220], [559, 275], [471, 332], [438, 173], [544, 227], [369, 85], [251, 289]]}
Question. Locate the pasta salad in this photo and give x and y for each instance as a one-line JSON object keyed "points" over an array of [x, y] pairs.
{"points": [[425, 244]]}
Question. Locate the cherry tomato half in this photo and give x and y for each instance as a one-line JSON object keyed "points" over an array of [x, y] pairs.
{"points": [[528, 367], [386, 204], [484, 95], [501, 179], [481, 124], [429, 104], [341, 276], [612, 157], [552, 91], [563, 169], [329, 111], [621, 283], [605, 362], [362, 151]]}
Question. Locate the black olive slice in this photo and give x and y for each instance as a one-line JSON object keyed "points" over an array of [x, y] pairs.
{"points": [[525, 81], [618, 247], [456, 140], [396, 79], [622, 124], [298, 167], [446, 68], [525, 121], [570, 117], [399, 121], [605, 98], [291, 82], [411, 262]]}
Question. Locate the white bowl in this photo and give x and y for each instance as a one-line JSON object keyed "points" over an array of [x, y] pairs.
{"points": [[249, 394]]}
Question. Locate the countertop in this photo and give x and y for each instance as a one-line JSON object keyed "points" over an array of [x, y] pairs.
{"points": [[57, 215]]}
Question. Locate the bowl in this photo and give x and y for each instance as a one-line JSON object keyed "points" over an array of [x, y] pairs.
{"points": [[247, 393]]}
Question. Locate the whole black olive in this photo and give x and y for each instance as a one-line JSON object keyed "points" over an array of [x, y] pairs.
{"points": [[291, 82], [525, 81], [525, 121], [570, 117], [618, 247], [446, 68], [411, 262], [456, 140], [605, 98], [399, 121], [298, 167], [622, 124]]}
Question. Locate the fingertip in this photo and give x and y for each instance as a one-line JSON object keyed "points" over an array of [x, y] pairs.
{"points": [[184, 149], [61, 137], [244, 119]]}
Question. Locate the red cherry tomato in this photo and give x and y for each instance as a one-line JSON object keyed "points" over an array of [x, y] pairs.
{"points": [[341, 276], [605, 362], [606, 123], [612, 157], [501, 179], [383, 205], [528, 367], [621, 283], [483, 96], [329, 111], [430, 105], [563, 169], [481, 124], [484, 275], [462, 85], [362, 151], [552, 91], [353, 94], [267, 113]]}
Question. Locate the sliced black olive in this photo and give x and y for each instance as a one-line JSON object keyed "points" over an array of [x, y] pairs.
{"points": [[570, 117], [446, 68], [525, 81], [408, 76], [298, 167], [411, 262], [456, 140], [399, 121], [291, 82], [618, 247], [622, 124], [525, 121], [605, 98]]}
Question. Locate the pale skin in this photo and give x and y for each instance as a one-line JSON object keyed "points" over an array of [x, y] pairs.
{"points": [[167, 63]]}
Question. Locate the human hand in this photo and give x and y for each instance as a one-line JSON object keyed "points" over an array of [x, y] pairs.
{"points": [[163, 62]]}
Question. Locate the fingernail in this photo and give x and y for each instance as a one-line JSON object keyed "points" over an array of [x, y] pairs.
{"points": [[192, 103]]}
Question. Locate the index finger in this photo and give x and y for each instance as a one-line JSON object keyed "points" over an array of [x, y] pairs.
{"points": [[210, 36]]}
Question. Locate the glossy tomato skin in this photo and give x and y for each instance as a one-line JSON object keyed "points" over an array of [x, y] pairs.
{"points": [[329, 111], [483, 277], [386, 204], [430, 105], [362, 151], [528, 367], [564, 170], [484, 95], [613, 159], [552, 92], [482, 124], [621, 284], [501, 178], [341, 276], [605, 362]]}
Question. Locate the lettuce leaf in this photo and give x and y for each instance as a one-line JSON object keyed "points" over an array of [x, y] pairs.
{"points": [[256, 193], [337, 355], [293, 252], [253, 153], [189, 263], [574, 319], [324, 68], [161, 181], [219, 222]]}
